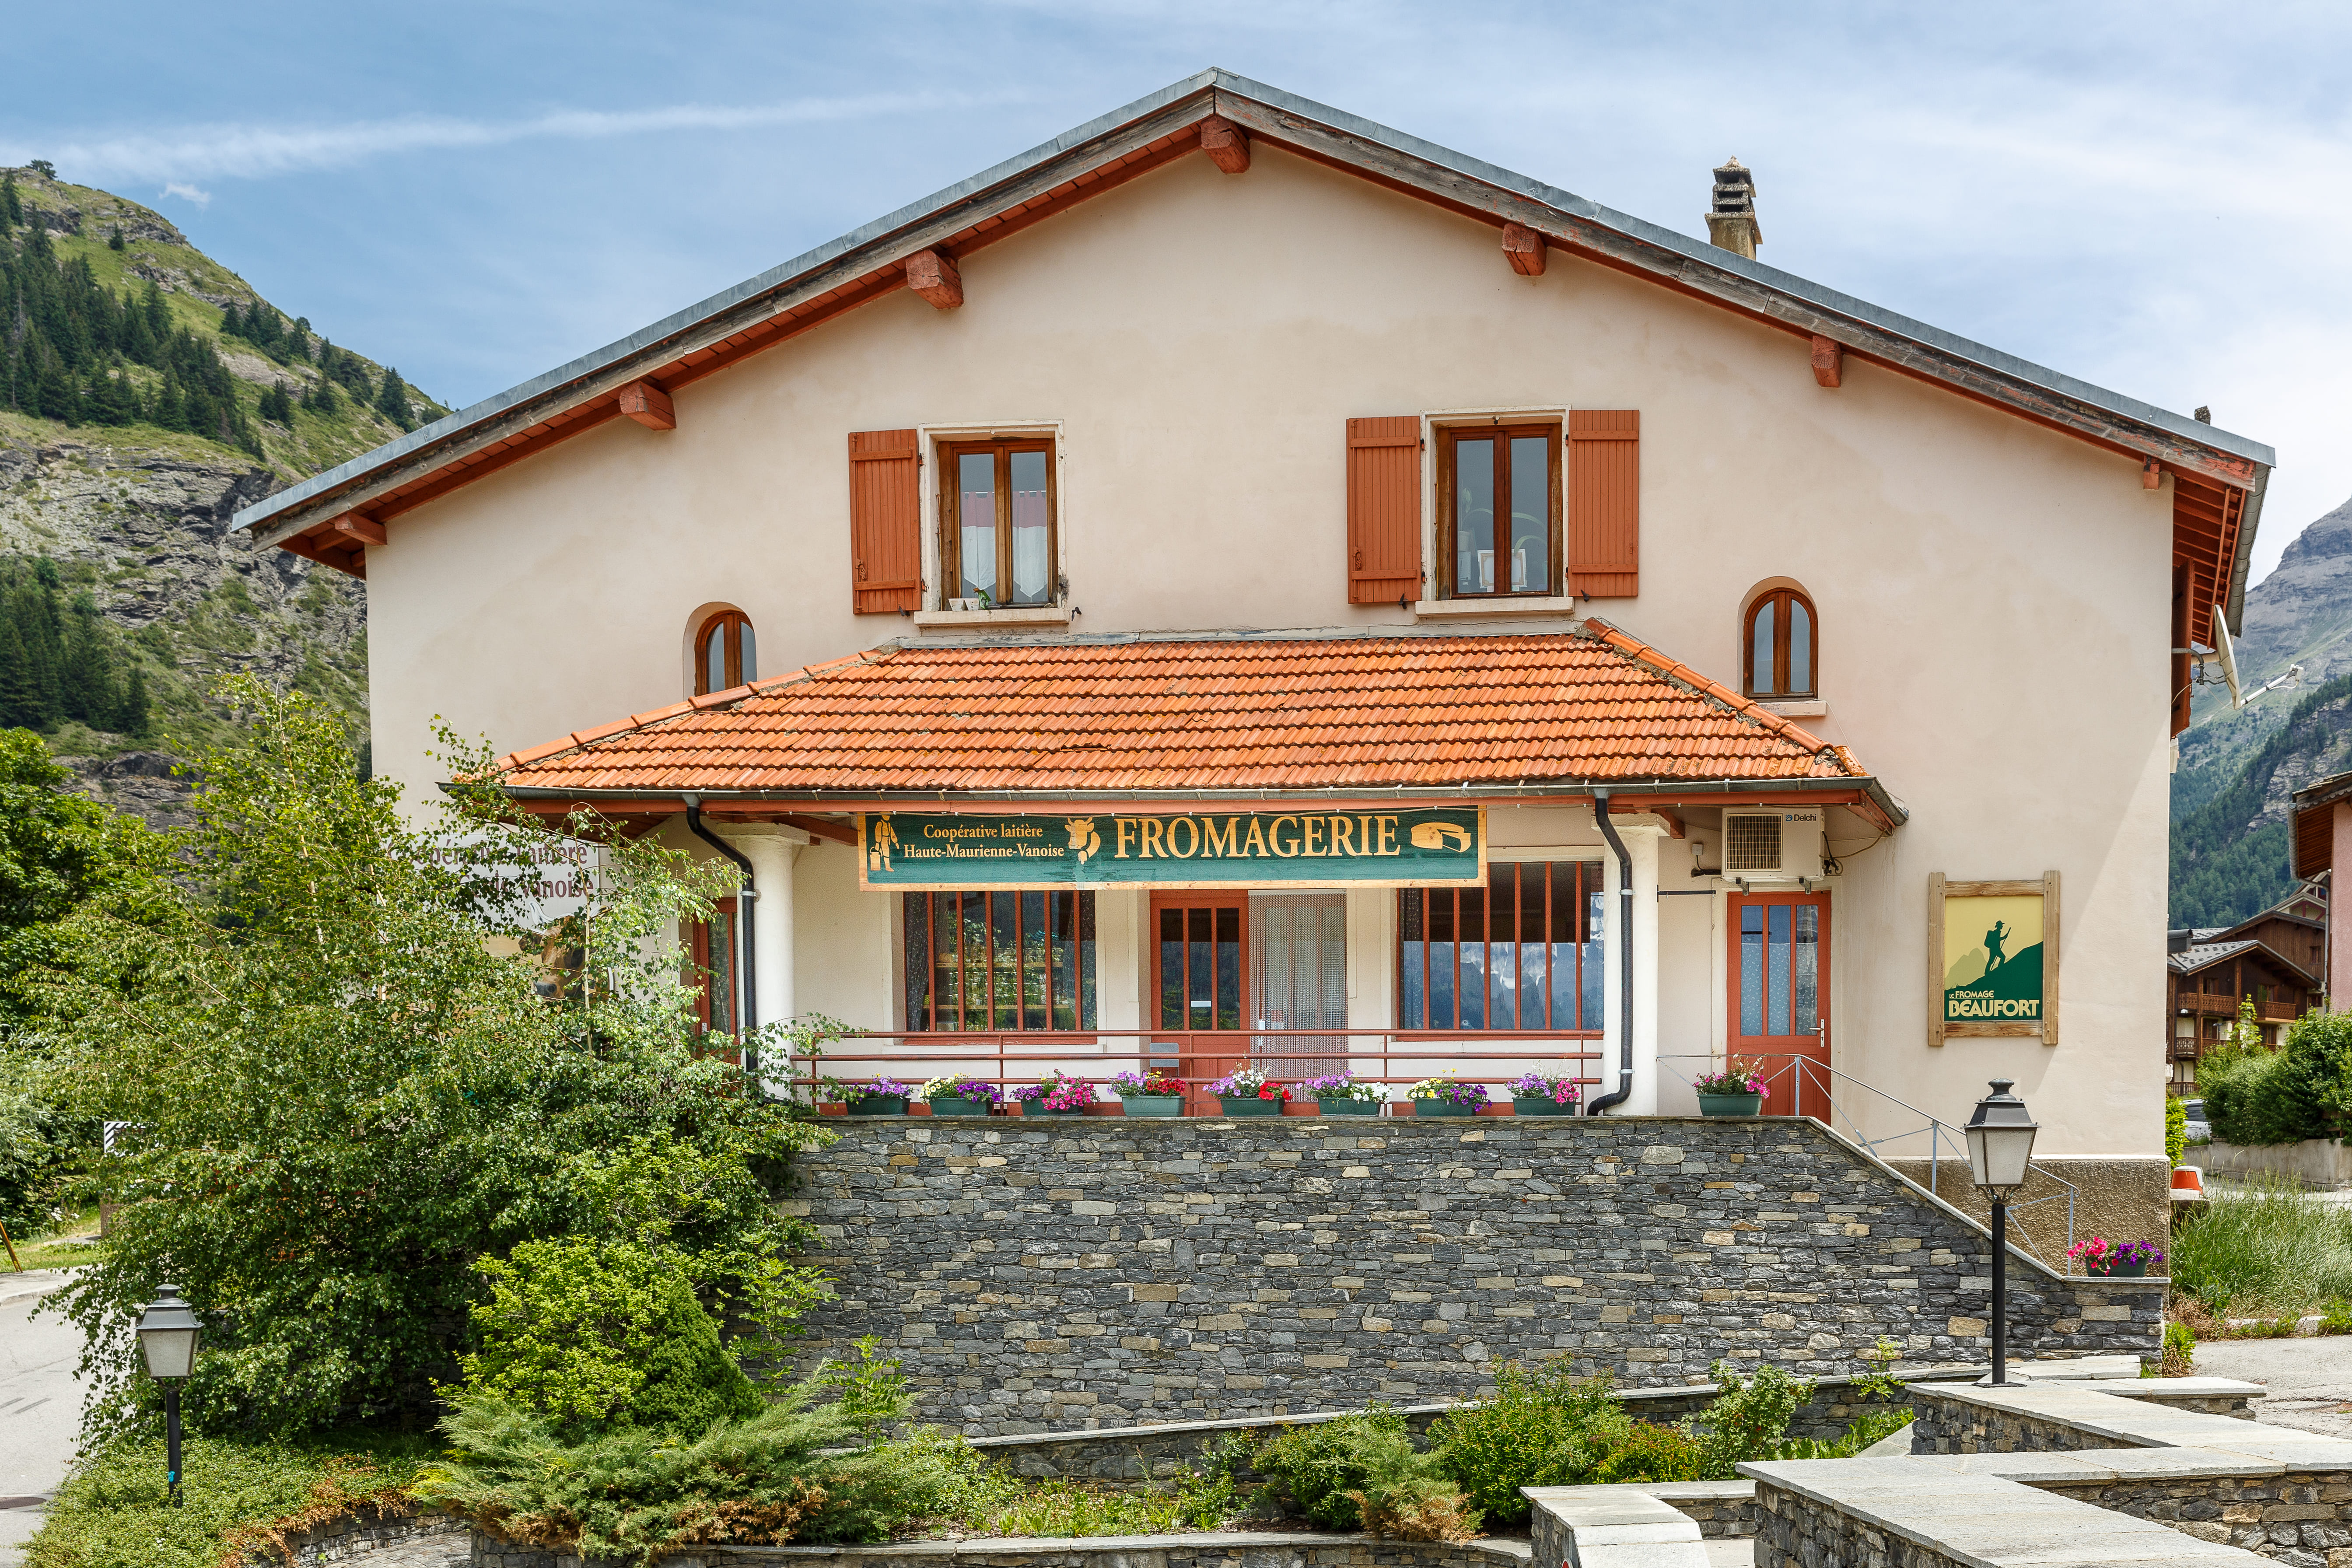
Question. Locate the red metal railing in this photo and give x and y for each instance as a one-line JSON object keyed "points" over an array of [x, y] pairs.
{"points": [[1198, 1057]]}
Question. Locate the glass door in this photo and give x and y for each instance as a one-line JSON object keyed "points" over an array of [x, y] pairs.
{"points": [[1200, 966], [1780, 1002]]}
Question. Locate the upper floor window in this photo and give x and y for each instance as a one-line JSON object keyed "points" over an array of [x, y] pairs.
{"points": [[997, 520], [1780, 651], [724, 654], [1498, 531]]}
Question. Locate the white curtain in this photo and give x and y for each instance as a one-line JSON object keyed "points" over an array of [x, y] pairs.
{"points": [[1298, 980]]}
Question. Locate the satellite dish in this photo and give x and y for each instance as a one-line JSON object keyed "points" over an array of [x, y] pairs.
{"points": [[2228, 654]]}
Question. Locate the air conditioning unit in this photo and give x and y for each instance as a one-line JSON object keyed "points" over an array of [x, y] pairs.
{"points": [[1783, 844]]}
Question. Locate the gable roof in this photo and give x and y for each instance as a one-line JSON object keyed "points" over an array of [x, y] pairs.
{"points": [[1181, 717], [2207, 955], [2220, 476]]}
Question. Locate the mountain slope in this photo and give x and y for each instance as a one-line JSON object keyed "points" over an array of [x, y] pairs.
{"points": [[146, 393], [2230, 854]]}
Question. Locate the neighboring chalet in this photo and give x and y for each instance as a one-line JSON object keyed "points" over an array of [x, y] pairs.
{"points": [[1239, 582], [2278, 959]]}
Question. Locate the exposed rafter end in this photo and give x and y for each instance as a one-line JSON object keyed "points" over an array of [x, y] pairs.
{"points": [[359, 527], [1525, 248], [2151, 475], [649, 405], [1226, 144], [1829, 361], [935, 278]]}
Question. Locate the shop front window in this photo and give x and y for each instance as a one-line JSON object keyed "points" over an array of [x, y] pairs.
{"points": [[992, 962], [1523, 952]]}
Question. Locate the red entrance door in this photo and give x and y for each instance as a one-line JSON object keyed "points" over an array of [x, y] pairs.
{"points": [[1780, 1012], [1201, 978]]}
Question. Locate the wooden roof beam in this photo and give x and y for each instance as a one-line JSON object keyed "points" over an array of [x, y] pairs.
{"points": [[359, 529], [649, 405], [1829, 361], [1226, 144], [1525, 248], [935, 278]]}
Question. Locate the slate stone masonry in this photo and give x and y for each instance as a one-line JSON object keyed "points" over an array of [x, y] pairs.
{"points": [[1071, 1273]]}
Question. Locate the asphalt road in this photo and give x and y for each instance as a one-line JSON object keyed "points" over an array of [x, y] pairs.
{"points": [[2310, 1381], [40, 1404]]}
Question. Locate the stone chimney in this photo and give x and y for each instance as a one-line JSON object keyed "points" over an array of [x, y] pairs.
{"points": [[1731, 221]]}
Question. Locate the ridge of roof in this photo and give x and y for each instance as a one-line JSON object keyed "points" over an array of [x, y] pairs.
{"points": [[2206, 954], [1693, 256]]}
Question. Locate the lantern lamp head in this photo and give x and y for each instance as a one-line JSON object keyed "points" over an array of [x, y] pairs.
{"points": [[168, 1330], [2001, 1142]]}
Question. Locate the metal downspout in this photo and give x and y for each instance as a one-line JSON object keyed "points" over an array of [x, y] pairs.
{"points": [[1624, 958], [746, 900]]}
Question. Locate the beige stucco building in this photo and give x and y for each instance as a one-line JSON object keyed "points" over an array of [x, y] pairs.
{"points": [[1162, 474]]}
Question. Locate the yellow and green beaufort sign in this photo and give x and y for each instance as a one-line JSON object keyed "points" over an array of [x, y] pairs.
{"points": [[1424, 847], [1992, 960]]}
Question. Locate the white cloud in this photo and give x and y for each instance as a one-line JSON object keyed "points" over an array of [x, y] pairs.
{"points": [[189, 193], [251, 151]]}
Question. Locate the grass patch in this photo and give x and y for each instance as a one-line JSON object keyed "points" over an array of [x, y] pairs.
{"points": [[237, 1497], [2268, 1251], [68, 1244]]}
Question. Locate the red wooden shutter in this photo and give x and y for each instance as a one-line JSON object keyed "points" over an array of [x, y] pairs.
{"points": [[1383, 510], [1604, 502], [885, 521]]}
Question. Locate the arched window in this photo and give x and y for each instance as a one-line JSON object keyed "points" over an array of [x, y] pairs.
{"points": [[723, 653], [1780, 650]]}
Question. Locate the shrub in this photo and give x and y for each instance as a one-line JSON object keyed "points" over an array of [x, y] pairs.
{"points": [[237, 1498], [1749, 1418], [1361, 1472], [1624, 1449], [2255, 1096], [2176, 1127], [596, 1335], [635, 1494], [1526, 1435]]}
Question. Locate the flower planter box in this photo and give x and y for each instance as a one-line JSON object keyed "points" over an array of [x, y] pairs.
{"points": [[2121, 1271], [1251, 1107], [957, 1105], [1152, 1104], [1031, 1108], [1541, 1105], [879, 1105], [1730, 1104], [1442, 1107], [1348, 1106]]}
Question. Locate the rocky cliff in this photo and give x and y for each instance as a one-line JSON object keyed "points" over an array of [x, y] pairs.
{"points": [[137, 515]]}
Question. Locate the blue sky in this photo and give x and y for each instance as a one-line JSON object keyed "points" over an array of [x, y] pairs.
{"points": [[2149, 196]]}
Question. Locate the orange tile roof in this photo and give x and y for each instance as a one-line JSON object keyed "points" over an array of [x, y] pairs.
{"points": [[1269, 712]]}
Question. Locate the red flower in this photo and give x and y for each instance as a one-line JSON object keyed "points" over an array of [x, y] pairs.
{"points": [[1273, 1091]]}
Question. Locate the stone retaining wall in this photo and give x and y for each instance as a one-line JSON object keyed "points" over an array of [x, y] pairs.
{"points": [[2302, 1518], [1064, 1274], [1953, 1420], [362, 1535], [1235, 1549]]}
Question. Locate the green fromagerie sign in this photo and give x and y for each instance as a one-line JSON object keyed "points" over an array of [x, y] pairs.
{"points": [[1429, 847]]}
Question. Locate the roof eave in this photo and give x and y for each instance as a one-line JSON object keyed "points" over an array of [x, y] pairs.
{"points": [[1318, 131]]}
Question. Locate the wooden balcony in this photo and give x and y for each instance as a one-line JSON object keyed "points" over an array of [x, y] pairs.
{"points": [[2212, 1002]]}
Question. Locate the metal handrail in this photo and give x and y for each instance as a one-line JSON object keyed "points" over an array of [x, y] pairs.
{"points": [[1014, 1055], [1934, 1128]]}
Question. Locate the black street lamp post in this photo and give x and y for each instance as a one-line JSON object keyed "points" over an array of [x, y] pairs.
{"points": [[168, 1331], [2000, 1150]]}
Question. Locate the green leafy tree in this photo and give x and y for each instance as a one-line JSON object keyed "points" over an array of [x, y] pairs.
{"points": [[343, 1100], [115, 241]]}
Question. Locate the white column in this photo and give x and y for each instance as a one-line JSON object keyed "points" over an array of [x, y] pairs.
{"points": [[772, 849], [1642, 834]]}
